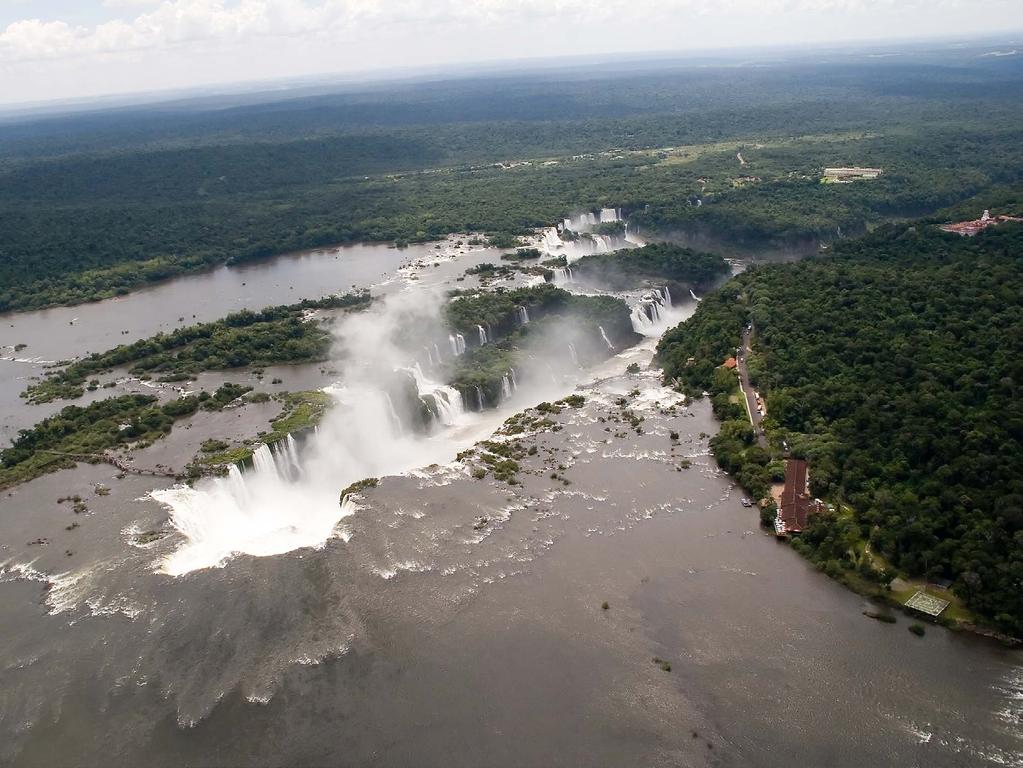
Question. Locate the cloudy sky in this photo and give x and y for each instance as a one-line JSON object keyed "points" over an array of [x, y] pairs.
{"points": [[56, 49]]}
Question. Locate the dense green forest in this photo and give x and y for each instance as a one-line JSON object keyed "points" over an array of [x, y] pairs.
{"points": [[894, 365], [275, 335], [98, 204], [632, 267]]}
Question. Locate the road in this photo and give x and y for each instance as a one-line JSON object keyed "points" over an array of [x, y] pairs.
{"points": [[748, 392]]}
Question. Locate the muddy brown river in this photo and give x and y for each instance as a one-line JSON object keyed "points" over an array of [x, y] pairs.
{"points": [[447, 620]]}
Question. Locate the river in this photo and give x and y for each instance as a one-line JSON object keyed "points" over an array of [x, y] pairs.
{"points": [[450, 621]]}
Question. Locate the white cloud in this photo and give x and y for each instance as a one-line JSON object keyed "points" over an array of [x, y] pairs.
{"points": [[177, 22]]}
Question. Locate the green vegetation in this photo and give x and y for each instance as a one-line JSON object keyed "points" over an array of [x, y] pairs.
{"points": [[632, 267], [300, 411], [894, 367], [917, 629], [85, 434], [274, 335], [358, 486], [96, 206]]}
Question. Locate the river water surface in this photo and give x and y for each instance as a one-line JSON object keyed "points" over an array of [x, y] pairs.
{"points": [[450, 621]]}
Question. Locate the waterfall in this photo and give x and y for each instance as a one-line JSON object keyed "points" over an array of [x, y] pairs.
{"points": [[575, 357], [483, 334], [263, 460], [602, 243], [640, 321], [279, 460], [479, 398], [607, 341], [552, 240], [667, 297], [457, 342], [695, 297], [610, 215], [447, 401], [395, 418], [514, 381], [506, 389], [522, 315], [291, 453], [562, 275]]}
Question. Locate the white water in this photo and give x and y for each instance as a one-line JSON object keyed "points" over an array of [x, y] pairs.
{"points": [[562, 275], [446, 401], [571, 352], [695, 297], [607, 341], [656, 313], [483, 334], [282, 504], [506, 388], [522, 315], [457, 342]]}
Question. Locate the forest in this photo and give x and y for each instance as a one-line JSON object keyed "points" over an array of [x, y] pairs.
{"points": [[98, 204], [894, 365], [630, 268]]}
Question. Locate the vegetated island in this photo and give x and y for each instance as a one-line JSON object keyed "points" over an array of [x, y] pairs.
{"points": [[660, 262], [275, 335], [893, 366]]}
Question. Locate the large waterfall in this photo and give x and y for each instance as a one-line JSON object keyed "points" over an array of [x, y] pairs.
{"points": [[287, 501]]}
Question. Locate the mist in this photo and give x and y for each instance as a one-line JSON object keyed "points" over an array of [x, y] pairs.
{"points": [[290, 497]]}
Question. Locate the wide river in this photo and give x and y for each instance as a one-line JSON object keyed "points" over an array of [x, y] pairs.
{"points": [[452, 621]]}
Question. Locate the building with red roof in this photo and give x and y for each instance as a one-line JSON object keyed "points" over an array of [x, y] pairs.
{"points": [[796, 503]]}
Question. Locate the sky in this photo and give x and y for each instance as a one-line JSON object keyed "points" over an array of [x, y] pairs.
{"points": [[61, 49]]}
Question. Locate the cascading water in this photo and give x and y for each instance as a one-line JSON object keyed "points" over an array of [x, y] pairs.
{"points": [[552, 240], [561, 275], [514, 381], [607, 341], [572, 353], [446, 401], [610, 215], [479, 398], [695, 297], [667, 297], [506, 388], [457, 342], [483, 334], [395, 418], [522, 315]]}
